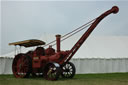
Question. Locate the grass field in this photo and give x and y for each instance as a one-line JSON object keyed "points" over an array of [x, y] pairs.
{"points": [[79, 79]]}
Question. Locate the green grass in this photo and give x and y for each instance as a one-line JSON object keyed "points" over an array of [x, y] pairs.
{"points": [[79, 79]]}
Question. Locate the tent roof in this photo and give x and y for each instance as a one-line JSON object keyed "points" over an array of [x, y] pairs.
{"points": [[93, 47], [100, 47]]}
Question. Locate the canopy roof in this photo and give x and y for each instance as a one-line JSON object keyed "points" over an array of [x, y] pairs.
{"points": [[29, 43]]}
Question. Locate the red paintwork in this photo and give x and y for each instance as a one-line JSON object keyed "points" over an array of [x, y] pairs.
{"points": [[50, 51]]}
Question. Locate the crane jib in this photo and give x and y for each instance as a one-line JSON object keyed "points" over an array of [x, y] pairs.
{"points": [[74, 49]]}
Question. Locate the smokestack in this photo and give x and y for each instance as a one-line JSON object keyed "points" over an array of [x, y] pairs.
{"points": [[58, 42]]}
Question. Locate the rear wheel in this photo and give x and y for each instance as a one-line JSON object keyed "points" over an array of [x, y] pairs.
{"points": [[21, 66], [52, 71], [68, 70]]}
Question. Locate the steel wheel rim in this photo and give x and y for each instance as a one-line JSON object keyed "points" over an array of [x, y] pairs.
{"points": [[51, 72], [68, 70]]}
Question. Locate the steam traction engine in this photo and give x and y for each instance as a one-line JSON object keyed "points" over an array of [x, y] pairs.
{"points": [[48, 62]]}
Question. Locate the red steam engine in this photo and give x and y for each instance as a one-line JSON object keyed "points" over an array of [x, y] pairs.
{"points": [[51, 63]]}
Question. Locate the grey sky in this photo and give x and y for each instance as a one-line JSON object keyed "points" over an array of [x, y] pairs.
{"points": [[24, 20]]}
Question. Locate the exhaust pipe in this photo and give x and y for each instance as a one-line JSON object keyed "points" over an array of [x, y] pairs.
{"points": [[58, 42]]}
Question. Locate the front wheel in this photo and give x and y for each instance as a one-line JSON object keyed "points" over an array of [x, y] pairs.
{"points": [[68, 70], [52, 71]]}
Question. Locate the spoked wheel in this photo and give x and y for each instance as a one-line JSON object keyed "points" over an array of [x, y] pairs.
{"points": [[52, 71], [68, 70], [21, 66]]}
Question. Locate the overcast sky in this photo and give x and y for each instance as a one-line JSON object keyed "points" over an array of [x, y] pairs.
{"points": [[22, 20]]}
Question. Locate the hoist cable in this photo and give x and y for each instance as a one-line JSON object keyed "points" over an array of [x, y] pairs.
{"points": [[72, 32], [78, 28]]}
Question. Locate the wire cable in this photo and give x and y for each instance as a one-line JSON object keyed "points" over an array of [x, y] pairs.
{"points": [[64, 37]]}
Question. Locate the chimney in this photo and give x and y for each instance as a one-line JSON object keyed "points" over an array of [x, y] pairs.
{"points": [[58, 42]]}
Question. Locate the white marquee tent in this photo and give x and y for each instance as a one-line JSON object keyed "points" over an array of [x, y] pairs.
{"points": [[99, 54]]}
